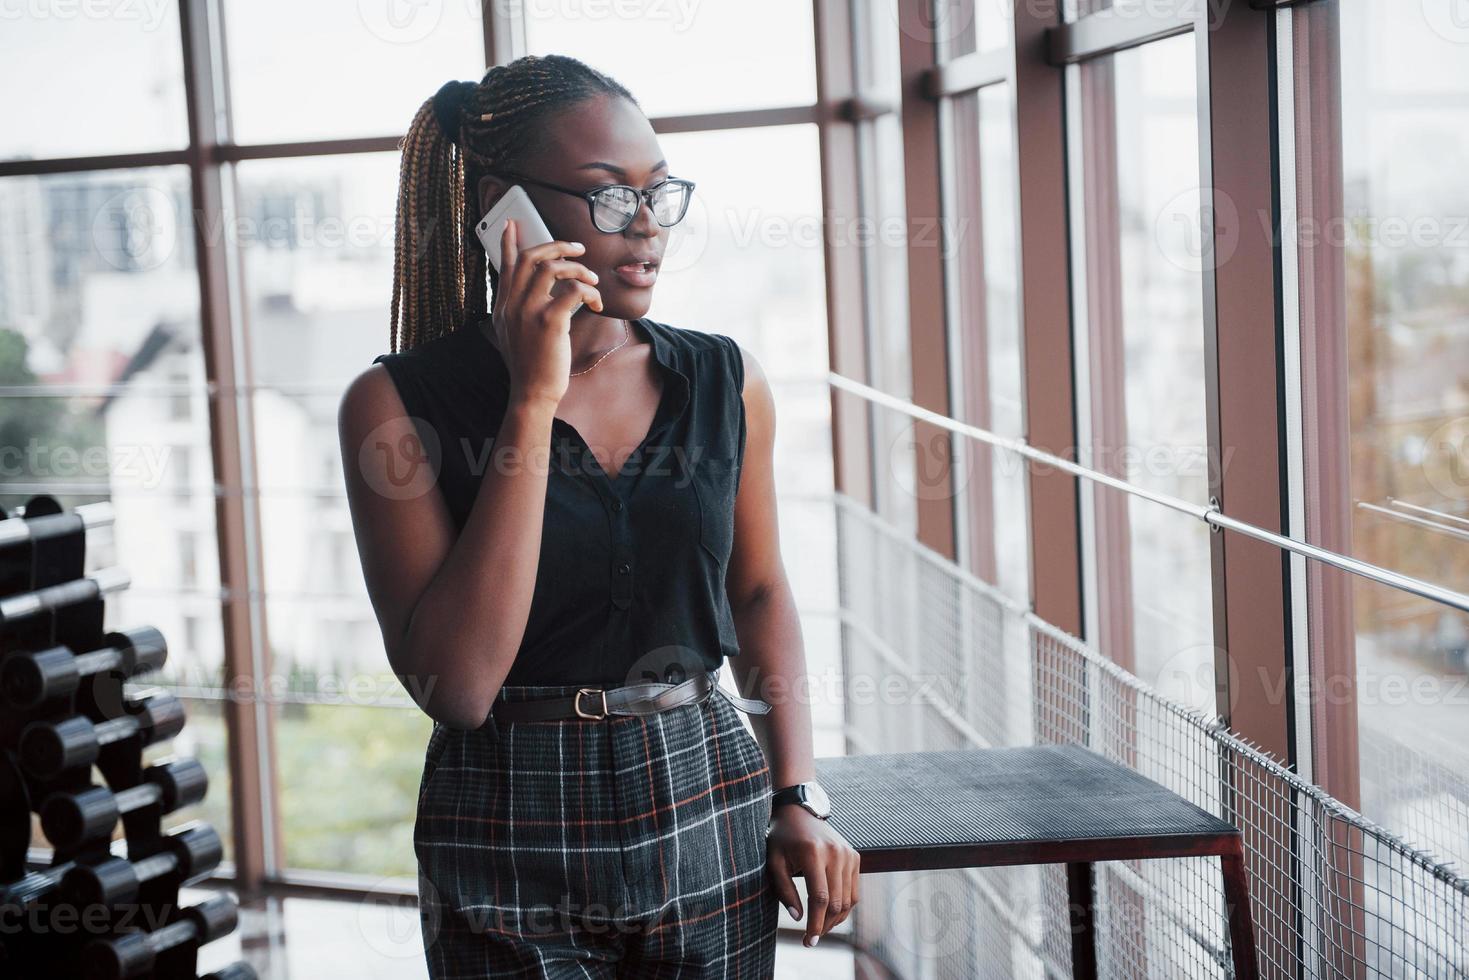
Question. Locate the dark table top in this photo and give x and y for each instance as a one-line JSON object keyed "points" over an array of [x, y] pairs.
{"points": [[1029, 805]]}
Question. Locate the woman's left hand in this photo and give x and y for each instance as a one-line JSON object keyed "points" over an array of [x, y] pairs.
{"points": [[802, 844]]}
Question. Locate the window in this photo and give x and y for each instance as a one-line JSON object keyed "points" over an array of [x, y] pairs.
{"points": [[316, 71], [315, 236], [1141, 329], [985, 335], [881, 222], [113, 79], [686, 58], [1381, 256]]}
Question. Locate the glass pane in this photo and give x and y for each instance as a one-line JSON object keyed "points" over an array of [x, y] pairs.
{"points": [[1143, 357], [99, 342], [104, 387], [348, 776], [316, 243], [1405, 121], [881, 233], [1383, 277], [1006, 369], [88, 79], [985, 333], [682, 58], [363, 68], [973, 25], [316, 240], [204, 737]]}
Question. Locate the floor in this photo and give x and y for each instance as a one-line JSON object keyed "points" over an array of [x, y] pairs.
{"points": [[295, 938]]}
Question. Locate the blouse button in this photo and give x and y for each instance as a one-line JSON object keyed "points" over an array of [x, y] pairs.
{"points": [[616, 506], [624, 568]]}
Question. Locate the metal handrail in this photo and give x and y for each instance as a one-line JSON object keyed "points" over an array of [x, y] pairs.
{"points": [[1210, 515], [1423, 522]]}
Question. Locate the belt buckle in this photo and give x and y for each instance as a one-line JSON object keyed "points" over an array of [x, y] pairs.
{"points": [[576, 703]]}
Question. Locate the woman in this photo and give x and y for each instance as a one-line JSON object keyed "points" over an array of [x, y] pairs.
{"points": [[603, 536]]}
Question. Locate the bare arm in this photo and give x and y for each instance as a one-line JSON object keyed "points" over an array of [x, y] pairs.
{"points": [[772, 661], [453, 611], [773, 666]]}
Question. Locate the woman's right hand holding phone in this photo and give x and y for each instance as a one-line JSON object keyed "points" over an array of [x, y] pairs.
{"points": [[533, 326]]}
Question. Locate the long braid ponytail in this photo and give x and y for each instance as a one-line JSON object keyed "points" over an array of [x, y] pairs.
{"points": [[464, 131]]}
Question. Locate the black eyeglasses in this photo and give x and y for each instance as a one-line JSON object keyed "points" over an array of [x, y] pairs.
{"points": [[614, 206]]}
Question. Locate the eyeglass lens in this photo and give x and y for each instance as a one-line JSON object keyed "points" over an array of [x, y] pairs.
{"points": [[615, 207]]}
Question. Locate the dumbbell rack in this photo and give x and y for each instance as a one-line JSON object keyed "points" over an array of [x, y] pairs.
{"points": [[98, 908]]}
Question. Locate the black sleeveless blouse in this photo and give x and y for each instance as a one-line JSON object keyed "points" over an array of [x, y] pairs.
{"points": [[630, 585]]}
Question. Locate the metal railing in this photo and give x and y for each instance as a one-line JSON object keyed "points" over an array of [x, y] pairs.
{"points": [[1210, 515], [1334, 894]]}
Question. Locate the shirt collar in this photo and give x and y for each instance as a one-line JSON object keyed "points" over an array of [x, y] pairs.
{"points": [[657, 333]]}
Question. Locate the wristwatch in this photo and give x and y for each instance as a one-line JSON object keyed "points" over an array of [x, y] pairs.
{"points": [[808, 795]]}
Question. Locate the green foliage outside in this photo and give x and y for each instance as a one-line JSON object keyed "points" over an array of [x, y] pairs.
{"points": [[349, 786], [36, 428]]}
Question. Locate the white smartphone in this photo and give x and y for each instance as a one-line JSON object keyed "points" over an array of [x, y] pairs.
{"points": [[530, 228]]}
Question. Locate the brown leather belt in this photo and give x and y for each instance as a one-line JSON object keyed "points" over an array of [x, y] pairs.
{"points": [[596, 703]]}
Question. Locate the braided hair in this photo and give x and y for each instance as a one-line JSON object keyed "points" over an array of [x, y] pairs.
{"points": [[464, 131]]}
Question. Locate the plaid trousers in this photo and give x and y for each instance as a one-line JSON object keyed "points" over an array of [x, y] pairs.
{"points": [[632, 846]]}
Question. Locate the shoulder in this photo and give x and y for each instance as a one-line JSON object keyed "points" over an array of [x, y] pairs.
{"points": [[390, 385], [692, 340], [707, 345], [423, 357]]}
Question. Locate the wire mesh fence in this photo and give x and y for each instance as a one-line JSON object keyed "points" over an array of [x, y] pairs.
{"points": [[934, 659]]}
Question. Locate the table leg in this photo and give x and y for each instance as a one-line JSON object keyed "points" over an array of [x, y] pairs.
{"points": [[1079, 882], [1241, 924]]}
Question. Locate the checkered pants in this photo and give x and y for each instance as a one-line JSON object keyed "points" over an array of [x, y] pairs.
{"points": [[626, 847]]}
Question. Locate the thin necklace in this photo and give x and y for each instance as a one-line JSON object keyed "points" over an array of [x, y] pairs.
{"points": [[626, 336]]}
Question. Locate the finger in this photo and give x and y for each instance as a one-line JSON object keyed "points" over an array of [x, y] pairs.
{"points": [[508, 236], [818, 896], [554, 269], [782, 882], [849, 890], [578, 292], [836, 883], [527, 262], [507, 269]]}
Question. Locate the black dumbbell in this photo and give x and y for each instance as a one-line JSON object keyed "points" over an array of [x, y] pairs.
{"points": [[134, 954], [36, 885], [72, 818], [21, 606], [30, 679], [235, 971], [50, 748], [189, 851]]}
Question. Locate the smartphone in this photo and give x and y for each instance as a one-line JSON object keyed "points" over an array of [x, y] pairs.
{"points": [[531, 229]]}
